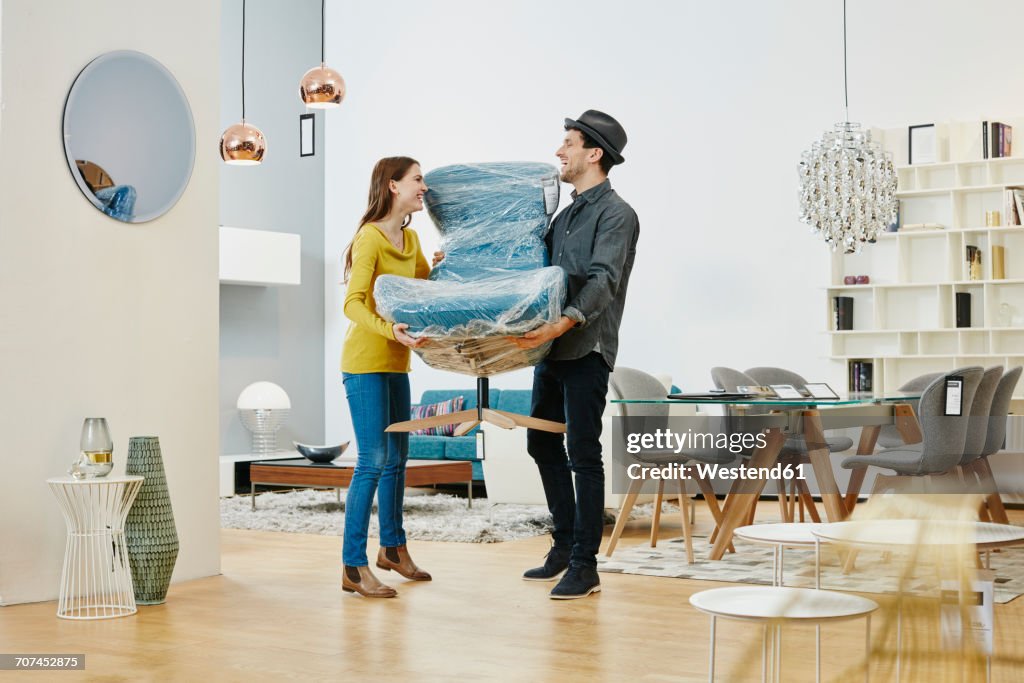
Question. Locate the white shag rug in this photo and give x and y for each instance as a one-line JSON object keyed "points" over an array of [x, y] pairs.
{"points": [[427, 516]]}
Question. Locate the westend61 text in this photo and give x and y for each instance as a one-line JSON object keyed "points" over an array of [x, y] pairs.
{"points": [[706, 471], [666, 439]]}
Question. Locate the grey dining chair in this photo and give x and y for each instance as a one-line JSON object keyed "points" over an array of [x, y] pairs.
{"points": [[981, 409], [768, 375], [888, 435], [794, 449], [944, 436], [627, 383], [995, 436]]}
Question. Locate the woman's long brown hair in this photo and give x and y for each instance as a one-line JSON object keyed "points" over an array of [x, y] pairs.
{"points": [[379, 203]]}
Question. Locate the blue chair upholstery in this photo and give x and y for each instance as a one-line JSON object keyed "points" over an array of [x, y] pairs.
{"points": [[495, 280]]}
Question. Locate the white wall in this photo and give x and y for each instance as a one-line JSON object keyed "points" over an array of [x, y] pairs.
{"points": [[719, 100], [102, 317]]}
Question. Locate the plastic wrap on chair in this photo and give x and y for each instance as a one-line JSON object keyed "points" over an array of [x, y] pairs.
{"points": [[508, 304], [495, 280], [492, 217]]}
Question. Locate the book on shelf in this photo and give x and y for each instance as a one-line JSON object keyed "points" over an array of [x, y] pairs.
{"points": [[1018, 202], [1000, 140], [860, 375], [984, 139], [1010, 207]]}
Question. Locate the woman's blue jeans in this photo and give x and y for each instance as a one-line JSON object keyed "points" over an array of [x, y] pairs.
{"points": [[375, 400]]}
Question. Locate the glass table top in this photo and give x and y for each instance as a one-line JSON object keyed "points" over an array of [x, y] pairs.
{"points": [[710, 399]]}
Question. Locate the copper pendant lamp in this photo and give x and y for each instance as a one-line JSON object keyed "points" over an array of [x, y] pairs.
{"points": [[322, 87], [243, 144]]}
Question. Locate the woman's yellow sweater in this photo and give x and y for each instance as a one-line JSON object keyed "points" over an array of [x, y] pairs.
{"points": [[370, 344]]}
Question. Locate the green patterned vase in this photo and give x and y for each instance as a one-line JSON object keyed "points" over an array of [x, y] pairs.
{"points": [[149, 530]]}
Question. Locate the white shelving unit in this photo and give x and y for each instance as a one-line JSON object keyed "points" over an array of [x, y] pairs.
{"points": [[905, 319]]}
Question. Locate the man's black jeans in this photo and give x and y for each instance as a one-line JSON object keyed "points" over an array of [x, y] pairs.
{"points": [[572, 391]]}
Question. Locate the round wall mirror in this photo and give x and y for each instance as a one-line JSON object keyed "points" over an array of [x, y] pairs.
{"points": [[128, 136]]}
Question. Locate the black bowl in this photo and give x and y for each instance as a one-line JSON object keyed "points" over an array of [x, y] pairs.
{"points": [[320, 453]]}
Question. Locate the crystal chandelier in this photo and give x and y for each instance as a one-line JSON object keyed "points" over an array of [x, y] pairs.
{"points": [[847, 183]]}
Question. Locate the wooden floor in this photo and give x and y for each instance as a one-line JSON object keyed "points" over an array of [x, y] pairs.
{"points": [[278, 613]]}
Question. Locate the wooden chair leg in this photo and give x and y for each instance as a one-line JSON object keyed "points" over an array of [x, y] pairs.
{"points": [[753, 509], [620, 522], [684, 502], [994, 503], [712, 502], [780, 486], [656, 517], [807, 500]]}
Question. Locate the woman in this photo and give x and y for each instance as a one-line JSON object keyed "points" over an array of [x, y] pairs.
{"points": [[375, 369]]}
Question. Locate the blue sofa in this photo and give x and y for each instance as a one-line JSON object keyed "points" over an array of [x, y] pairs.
{"points": [[464, 447]]}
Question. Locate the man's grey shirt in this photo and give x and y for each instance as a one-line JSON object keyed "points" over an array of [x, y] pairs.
{"points": [[594, 241]]}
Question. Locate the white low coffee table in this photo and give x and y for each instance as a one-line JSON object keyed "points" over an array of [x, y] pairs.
{"points": [[781, 535], [773, 605]]}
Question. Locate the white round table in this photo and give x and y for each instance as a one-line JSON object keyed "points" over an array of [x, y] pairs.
{"points": [[780, 535], [773, 605], [889, 534], [96, 582]]}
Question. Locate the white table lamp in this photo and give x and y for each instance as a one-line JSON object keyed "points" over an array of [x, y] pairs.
{"points": [[263, 408]]}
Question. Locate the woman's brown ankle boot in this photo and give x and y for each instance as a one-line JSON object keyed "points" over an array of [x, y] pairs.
{"points": [[361, 580], [398, 558]]}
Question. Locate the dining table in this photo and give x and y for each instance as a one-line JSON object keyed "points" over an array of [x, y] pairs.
{"points": [[810, 418]]}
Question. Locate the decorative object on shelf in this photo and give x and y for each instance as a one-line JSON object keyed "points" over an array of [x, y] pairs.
{"points": [[322, 87], [150, 534], [998, 263], [993, 219], [963, 309], [263, 408], [973, 262], [126, 113], [96, 450], [921, 144], [850, 280], [320, 453], [863, 280], [844, 312], [847, 182], [1005, 314], [243, 144]]}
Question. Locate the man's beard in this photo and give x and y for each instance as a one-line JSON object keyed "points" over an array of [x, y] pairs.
{"points": [[570, 173]]}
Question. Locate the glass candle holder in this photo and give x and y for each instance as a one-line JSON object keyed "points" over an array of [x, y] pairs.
{"points": [[96, 450]]}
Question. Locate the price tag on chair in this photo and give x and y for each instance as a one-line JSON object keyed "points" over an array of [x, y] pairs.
{"points": [[954, 395]]}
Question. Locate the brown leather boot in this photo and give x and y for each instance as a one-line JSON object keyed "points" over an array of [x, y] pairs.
{"points": [[398, 558], [361, 580]]}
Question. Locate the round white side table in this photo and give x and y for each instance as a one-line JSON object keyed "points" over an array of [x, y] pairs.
{"points": [[782, 535], [892, 534], [96, 581], [775, 605]]}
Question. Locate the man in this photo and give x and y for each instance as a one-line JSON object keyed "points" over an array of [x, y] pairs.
{"points": [[594, 240]]}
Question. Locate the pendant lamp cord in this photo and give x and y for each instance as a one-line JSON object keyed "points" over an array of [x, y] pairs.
{"points": [[243, 59], [323, 27], [846, 89]]}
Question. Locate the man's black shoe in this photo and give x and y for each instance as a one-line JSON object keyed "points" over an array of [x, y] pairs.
{"points": [[578, 582], [555, 562]]}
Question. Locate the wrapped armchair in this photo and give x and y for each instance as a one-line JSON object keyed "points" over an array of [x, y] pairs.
{"points": [[494, 282]]}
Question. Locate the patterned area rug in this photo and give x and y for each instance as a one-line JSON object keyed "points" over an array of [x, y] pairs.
{"points": [[427, 516], [752, 563]]}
